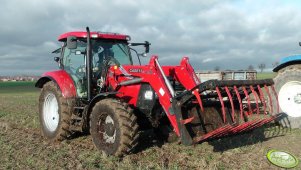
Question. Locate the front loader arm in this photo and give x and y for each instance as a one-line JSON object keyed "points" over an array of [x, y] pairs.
{"points": [[145, 74]]}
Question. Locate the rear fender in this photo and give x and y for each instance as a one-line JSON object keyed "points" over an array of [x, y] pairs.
{"points": [[62, 79], [287, 61]]}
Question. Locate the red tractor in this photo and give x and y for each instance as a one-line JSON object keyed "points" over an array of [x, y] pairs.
{"points": [[98, 88]]}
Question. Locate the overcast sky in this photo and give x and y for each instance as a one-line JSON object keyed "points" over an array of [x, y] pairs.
{"points": [[229, 34]]}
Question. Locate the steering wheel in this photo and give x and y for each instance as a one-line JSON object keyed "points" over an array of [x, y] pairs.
{"points": [[112, 61]]}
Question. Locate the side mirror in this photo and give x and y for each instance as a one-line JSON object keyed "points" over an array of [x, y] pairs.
{"points": [[57, 59], [71, 42], [146, 45]]}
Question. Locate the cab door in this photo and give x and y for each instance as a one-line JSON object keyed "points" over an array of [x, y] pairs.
{"points": [[74, 64]]}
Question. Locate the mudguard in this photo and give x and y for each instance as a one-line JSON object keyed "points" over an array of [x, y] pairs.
{"points": [[62, 79], [290, 60]]}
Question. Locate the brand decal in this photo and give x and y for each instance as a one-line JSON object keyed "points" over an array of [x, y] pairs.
{"points": [[161, 91], [135, 70], [282, 159]]}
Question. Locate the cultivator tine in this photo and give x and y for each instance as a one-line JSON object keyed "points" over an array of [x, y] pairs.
{"points": [[223, 132], [198, 97], [222, 103], [275, 94], [231, 101], [248, 99], [256, 98], [230, 129], [251, 125], [212, 134], [239, 100], [262, 99], [185, 121], [270, 97], [240, 127]]}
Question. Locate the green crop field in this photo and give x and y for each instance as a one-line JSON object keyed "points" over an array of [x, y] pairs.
{"points": [[266, 75], [23, 147], [14, 87]]}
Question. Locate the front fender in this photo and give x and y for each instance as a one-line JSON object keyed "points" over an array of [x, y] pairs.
{"points": [[288, 61], [62, 79]]}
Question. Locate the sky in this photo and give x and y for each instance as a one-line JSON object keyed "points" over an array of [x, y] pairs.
{"points": [[230, 34]]}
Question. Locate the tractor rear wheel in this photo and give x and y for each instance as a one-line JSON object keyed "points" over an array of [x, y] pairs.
{"points": [[54, 113], [288, 87], [113, 127]]}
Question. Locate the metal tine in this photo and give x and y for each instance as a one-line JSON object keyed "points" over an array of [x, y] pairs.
{"points": [[275, 93], [223, 133], [222, 103], [220, 132], [262, 99], [270, 97], [231, 101], [211, 134], [256, 98], [185, 121], [240, 128], [239, 100], [198, 97], [251, 125], [248, 99]]}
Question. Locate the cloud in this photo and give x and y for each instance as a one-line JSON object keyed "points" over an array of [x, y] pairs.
{"points": [[207, 60], [228, 34]]}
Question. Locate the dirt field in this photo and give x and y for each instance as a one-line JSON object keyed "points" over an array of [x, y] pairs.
{"points": [[22, 147]]}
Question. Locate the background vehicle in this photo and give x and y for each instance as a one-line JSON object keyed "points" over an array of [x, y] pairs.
{"points": [[288, 87], [99, 88]]}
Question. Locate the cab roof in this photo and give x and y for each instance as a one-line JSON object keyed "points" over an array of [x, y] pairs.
{"points": [[94, 35]]}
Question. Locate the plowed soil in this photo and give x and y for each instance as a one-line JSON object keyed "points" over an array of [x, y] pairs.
{"points": [[23, 147]]}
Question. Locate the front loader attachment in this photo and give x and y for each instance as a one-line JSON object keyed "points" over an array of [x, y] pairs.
{"points": [[218, 108]]}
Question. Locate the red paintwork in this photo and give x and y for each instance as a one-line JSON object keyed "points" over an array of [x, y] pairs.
{"points": [[150, 73], [64, 81], [99, 35], [231, 101]]}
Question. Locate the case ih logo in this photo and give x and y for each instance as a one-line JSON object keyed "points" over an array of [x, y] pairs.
{"points": [[135, 70]]}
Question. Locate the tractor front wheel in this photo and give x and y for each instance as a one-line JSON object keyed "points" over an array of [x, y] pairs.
{"points": [[113, 127], [54, 112]]}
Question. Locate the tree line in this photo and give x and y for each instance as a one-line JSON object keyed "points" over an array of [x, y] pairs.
{"points": [[260, 66]]}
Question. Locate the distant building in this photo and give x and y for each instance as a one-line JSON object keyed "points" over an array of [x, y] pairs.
{"points": [[19, 78]]}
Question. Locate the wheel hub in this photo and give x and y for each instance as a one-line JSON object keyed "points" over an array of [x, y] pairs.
{"points": [[109, 129], [290, 98], [109, 132], [50, 112], [297, 98]]}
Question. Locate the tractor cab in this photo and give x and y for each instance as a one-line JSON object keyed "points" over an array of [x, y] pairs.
{"points": [[106, 50]]}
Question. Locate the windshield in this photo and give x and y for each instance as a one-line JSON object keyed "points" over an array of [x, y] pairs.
{"points": [[102, 50]]}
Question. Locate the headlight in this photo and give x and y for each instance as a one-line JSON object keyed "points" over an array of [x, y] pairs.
{"points": [[148, 95]]}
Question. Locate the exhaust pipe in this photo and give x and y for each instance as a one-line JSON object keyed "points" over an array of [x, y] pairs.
{"points": [[88, 64]]}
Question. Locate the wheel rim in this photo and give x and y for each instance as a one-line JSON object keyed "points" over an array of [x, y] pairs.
{"points": [[290, 98], [50, 112], [106, 129]]}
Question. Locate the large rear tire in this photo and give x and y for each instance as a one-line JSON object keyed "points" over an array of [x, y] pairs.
{"points": [[113, 127], [54, 113], [288, 87]]}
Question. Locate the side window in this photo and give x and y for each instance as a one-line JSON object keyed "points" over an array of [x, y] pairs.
{"points": [[74, 62]]}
